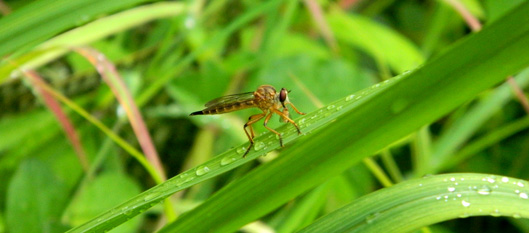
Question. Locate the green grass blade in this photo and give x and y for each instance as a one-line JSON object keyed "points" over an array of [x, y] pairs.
{"points": [[93, 31], [225, 162], [355, 126], [402, 107], [463, 128], [41, 20], [401, 208]]}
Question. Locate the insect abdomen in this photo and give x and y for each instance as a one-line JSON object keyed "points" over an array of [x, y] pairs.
{"points": [[225, 108]]}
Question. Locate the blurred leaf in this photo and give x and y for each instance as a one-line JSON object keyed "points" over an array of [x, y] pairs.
{"points": [[64, 165], [100, 194], [355, 182], [177, 55], [98, 29], [522, 224], [35, 199], [496, 9], [305, 209], [21, 129], [383, 44], [465, 126], [24, 27], [474, 7], [295, 44], [310, 70]]}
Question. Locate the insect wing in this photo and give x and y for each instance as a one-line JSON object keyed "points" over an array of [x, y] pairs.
{"points": [[230, 99]]}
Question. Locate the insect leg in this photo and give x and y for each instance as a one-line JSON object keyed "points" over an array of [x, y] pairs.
{"points": [[295, 109], [273, 131], [286, 113], [252, 119], [287, 119]]}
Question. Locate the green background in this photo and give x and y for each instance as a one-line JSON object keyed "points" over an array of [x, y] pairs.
{"points": [[397, 93]]}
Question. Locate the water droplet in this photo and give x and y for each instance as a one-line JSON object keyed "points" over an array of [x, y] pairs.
{"points": [[371, 217], [452, 179], [184, 178], [495, 213], [465, 203], [523, 195], [301, 121], [227, 160], [484, 190], [259, 146], [350, 97], [516, 215], [330, 107], [126, 210], [241, 150], [491, 179], [451, 189], [202, 170], [505, 179], [150, 196], [189, 178], [520, 184], [339, 108]]}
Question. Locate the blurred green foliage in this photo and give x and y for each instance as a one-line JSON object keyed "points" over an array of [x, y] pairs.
{"points": [[176, 56]]}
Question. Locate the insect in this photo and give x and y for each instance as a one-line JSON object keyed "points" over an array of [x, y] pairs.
{"points": [[265, 98]]}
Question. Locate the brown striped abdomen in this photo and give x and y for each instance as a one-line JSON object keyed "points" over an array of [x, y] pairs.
{"points": [[225, 108]]}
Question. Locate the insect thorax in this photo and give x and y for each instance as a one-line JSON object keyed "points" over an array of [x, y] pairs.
{"points": [[266, 97]]}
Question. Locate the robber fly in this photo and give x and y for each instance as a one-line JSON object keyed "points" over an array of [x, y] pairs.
{"points": [[265, 98]]}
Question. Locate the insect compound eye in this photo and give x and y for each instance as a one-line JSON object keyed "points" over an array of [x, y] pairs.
{"points": [[283, 95]]}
